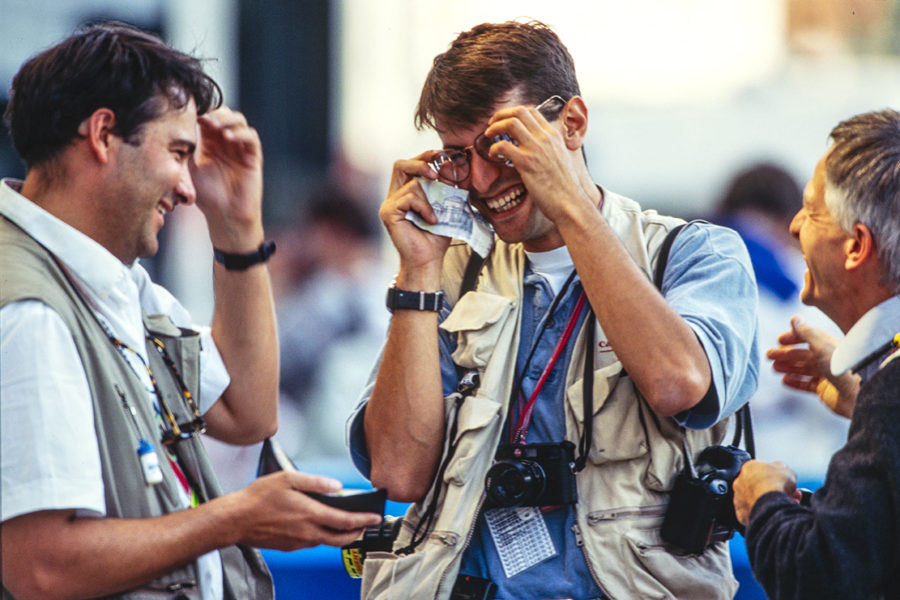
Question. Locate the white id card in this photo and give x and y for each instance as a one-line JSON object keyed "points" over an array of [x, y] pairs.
{"points": [[521, 537]]}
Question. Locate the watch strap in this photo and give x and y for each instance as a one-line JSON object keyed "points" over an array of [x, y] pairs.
{"points": [[241, 262], [404, 299]]}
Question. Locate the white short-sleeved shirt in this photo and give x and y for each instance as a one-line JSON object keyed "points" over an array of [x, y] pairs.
{"points": [[49, 458]]}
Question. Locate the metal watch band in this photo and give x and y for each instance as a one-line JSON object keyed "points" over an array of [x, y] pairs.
{"points": [[241, 262], [404, 299]]}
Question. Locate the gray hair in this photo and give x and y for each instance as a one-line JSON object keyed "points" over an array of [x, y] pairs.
{"points": [[864, 166]]}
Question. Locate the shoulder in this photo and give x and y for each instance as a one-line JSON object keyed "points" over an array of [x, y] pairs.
{"points": [[883, 385], [702, 236]]}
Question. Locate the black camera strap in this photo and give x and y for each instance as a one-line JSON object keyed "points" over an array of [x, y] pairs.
{"points": [[466, 387], [584, 444], [743, 424]]}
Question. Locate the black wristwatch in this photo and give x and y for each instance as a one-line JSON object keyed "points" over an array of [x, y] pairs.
{"points": [[404, 299], [241, 262]]}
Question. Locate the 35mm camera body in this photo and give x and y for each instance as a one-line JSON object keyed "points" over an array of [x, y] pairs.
{"points": [[532, 475], [701, 507]]}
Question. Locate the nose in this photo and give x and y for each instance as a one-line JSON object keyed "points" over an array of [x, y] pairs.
{"points": [[483, 173], [185, 191]]}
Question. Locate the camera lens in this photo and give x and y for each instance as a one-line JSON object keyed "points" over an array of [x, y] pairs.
{"points": [[718, 486], [512, 483]]}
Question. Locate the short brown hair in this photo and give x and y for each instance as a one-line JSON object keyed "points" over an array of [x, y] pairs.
{"points": [[489, 61]]}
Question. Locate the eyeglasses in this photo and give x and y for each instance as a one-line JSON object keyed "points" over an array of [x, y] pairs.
{"points": [[172, 430], [454, 165]]}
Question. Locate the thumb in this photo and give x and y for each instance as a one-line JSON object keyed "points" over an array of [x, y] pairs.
{"points": [[802, 331], [313, 483]]}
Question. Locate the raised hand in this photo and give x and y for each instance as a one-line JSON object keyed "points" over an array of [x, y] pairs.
{"points": [[227, 172], [804, 357]]}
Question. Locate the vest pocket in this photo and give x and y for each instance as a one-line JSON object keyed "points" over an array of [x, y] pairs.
{"points": [[618, 427], [388, 576], [661, 574], [477, 320], [473, 435]]}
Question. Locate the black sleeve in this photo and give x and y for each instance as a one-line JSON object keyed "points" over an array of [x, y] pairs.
{"points": [[844, 545]]}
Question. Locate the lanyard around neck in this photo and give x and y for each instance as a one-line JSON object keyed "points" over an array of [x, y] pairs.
{"points": [[518, 435]]}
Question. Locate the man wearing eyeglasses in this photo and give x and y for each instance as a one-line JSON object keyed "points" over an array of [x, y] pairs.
{"points": [[582, 364], [106, 383]]}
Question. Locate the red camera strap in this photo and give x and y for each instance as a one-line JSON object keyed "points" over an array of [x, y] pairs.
{"points": [[521, 431]]}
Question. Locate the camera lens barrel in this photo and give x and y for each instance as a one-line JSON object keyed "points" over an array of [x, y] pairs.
{"points": [[512, 483]]}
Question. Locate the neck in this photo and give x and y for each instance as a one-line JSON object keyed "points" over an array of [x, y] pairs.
{"points": [[73, 200]]}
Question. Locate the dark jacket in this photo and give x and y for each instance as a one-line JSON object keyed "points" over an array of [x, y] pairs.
{"points": [[846, 544]]}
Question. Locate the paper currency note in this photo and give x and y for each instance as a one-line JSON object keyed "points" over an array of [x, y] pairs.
{"points": [[456, 217]]}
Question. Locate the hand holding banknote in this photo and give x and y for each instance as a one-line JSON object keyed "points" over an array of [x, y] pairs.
{"points": [[456, 217]]}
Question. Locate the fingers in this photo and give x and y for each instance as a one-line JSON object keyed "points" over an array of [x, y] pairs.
{"points": [[225, 133], [406, 170], [756, 479], [278, 514], [804, 383], [408, 197]]}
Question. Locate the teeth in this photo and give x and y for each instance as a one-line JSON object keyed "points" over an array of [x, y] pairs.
{"points": [[506, 202]]}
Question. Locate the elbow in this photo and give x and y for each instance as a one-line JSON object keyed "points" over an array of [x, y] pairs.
{"points": [[268, 429], [260, 433], [400, 488], [36, 583], [668, 397]]}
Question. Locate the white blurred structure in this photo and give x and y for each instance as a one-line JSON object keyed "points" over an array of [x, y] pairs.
{"points": [[681, 93]]}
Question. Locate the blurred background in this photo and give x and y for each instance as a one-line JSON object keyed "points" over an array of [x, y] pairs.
{"points": [[699, 108]]}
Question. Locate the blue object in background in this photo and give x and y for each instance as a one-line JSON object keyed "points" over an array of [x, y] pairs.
{"points": [[318, 572], [749, 588]]}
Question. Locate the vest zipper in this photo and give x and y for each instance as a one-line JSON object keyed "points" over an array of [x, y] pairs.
{"points": [[469, 534], [579, 541]]}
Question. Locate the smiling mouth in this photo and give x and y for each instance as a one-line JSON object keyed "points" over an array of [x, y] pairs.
{"points": [[164, 208], [507, 201]]}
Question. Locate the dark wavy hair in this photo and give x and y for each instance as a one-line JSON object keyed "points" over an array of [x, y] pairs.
{"points": [[105, 65], [489, 61]]}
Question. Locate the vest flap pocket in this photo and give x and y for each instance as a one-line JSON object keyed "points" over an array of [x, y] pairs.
{"points": [[161, 325], [618, 431], [473, 435], [659, 572], [478, 320], [387, 576]]}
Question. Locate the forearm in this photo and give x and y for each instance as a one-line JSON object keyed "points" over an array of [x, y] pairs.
{"points": [[54, 554], [656, 345], [244, 330], [404, 419]]}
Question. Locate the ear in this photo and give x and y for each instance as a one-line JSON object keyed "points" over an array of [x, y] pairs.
{"points": [[859, 248], [575, 120], [97, 132]]}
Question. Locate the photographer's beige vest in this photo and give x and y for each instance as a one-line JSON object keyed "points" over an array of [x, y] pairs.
{"points": [[635, 456], [28, 271]]}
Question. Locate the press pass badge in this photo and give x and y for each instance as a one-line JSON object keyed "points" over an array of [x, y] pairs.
{"points": [[149, 462]]}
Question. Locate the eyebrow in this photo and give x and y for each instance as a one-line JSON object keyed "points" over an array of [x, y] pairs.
{"points": [[189, 145]]}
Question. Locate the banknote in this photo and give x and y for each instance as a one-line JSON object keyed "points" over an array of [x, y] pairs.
{"points": [[456, 217]]}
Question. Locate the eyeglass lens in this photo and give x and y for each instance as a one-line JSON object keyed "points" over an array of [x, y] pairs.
{"points": [[453, 165]]}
